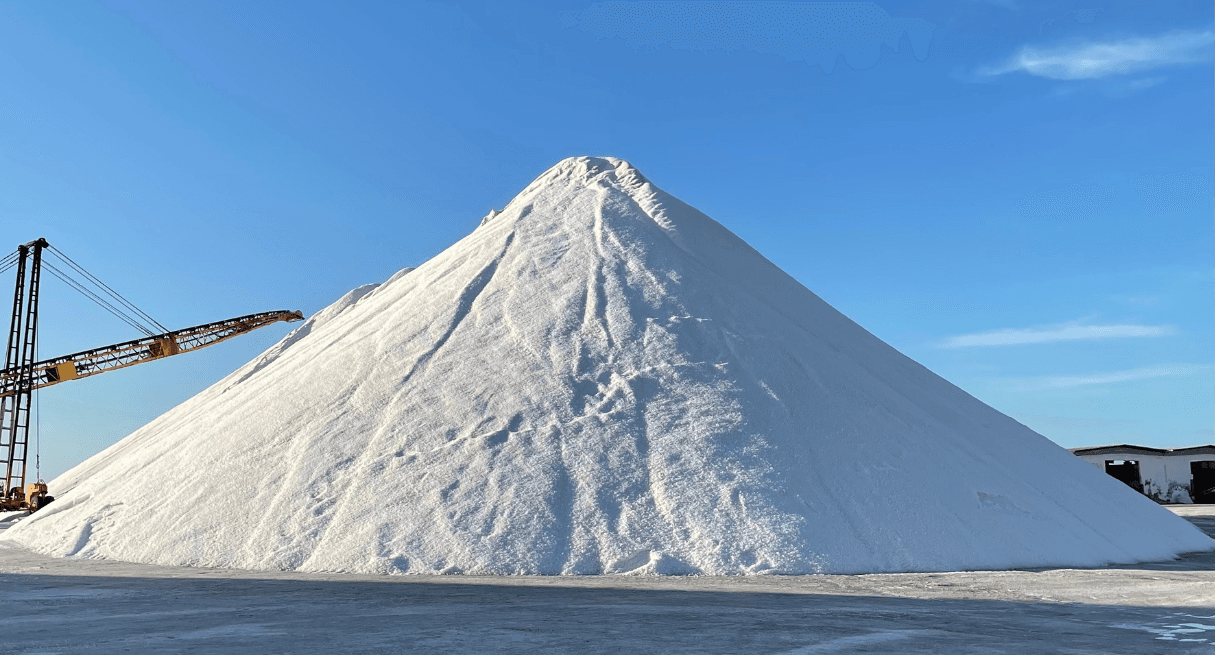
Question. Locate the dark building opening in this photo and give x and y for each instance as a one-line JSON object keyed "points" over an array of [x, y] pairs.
{"points": [[1202, 484], [1125, 470]]}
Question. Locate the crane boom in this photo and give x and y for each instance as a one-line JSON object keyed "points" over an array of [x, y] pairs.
{"points": [[49, 372]]}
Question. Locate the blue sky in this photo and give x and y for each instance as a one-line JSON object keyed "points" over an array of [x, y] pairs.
{"points": [[1016, 194]]}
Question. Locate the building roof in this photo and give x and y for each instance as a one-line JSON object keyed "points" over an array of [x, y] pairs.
{"points": [[1128, 449]]}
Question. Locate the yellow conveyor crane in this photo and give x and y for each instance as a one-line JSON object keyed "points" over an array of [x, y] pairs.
{"points": [[22, 375]]}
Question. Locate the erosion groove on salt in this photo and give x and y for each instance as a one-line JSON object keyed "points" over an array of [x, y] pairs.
{"points": [[598, 379]]}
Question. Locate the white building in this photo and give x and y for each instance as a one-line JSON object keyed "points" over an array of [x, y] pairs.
{"points": [[1166, 475]]}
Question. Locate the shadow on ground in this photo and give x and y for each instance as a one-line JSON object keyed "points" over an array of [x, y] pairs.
{"points": [[78, 614], [55, 605]]}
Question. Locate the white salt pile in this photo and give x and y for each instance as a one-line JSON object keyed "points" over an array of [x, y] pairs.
{"points": [[598, 379]]}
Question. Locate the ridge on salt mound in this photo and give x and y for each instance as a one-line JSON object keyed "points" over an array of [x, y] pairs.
{"points": [[598, 379]]}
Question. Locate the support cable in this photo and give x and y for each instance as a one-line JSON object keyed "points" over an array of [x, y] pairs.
{"points": [[9, 261], [93, 278], [97, 299], [84, 291]]}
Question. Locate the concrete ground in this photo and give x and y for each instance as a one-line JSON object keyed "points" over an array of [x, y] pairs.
{"points": [[51, 605]]}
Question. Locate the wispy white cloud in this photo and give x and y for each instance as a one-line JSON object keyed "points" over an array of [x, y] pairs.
{"points": [[1051, 334], [1095, 60], [1138, 301], [1143, 83], [1144, 373], [1084, 15], [1059, 382]]}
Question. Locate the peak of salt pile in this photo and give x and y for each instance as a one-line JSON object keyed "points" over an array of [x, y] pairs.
{"points": [[598, 379]]}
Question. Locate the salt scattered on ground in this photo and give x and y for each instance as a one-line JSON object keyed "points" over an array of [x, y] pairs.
{"points": [[599, 379], [100, 606]]}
